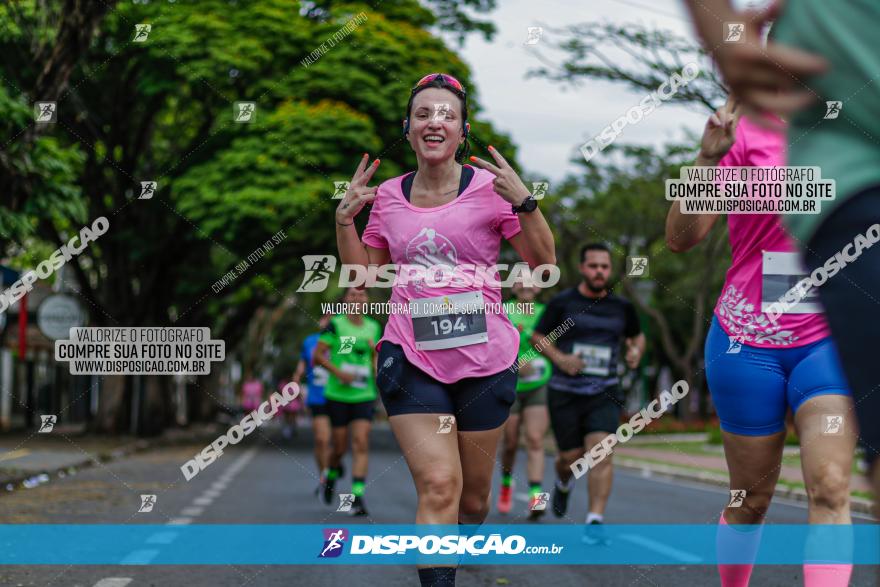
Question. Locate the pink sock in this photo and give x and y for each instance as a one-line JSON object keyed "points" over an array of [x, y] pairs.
{"points": [[827, 575], [730, 540]]}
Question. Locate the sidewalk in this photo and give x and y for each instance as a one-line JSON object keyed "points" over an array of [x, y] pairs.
{"points": [[713, 469], [30, 459]]}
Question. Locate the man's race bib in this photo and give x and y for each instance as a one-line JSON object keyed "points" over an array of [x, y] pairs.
{"points": [[539, 367], [446, 322], [779, 273], [320, 376], [361, 374], [596, 358]]}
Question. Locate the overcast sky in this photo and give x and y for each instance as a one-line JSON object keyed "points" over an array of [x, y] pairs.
{"points": [[548, 123]]}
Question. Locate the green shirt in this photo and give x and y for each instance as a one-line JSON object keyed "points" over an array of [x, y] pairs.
{"points": [[525, 323], [351, 349], [846, 148]]}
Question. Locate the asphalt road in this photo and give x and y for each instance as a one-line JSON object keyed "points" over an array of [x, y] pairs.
{"points": [[268, 480]]}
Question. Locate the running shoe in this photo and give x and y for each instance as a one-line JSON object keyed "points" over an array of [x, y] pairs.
{"points": [[560, 501], [328, 491], [505, 499], [358, 508], [535, 514], [594, 534]]}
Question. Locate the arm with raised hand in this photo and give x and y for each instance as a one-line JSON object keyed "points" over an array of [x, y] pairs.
{"points": [[765, 78], [351, 250], [535, 243], [684, 231]]}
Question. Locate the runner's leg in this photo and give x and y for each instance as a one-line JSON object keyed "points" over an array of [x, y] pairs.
{"points": [[568, 420], [360, 447], [753, 463], [508, 459], [511, 441], [477, 453], [434, 464], [536, 423], [563, 463], [321, 430], [826, 460], [599, 478], [339, 444], [360, 453], [749, 392]]}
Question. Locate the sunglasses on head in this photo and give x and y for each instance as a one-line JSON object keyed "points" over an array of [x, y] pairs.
{"points": [[447, 79]]}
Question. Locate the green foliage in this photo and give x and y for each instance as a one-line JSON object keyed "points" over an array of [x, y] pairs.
{"points": [[714, 437], [163, 110], [49, 170]]}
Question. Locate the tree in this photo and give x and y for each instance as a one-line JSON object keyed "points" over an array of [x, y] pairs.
{"points": [[162, 110], [619, 198]]}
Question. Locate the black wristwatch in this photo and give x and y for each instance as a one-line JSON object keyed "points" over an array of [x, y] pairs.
{"points": [[530, 204]]}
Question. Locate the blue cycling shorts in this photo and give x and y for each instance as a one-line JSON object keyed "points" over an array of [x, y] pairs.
{"points": [[753, 388]]}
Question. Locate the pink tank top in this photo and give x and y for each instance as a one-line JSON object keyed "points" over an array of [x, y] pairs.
{"points": [[766, 262], [252, 394], [467, 230]]}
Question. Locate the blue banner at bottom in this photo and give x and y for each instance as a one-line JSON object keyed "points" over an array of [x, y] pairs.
{"points": [[61, 544]]}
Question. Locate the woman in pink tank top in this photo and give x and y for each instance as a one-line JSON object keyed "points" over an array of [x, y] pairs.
{"points": [[446, 365], [764, 358], [251, 393]]}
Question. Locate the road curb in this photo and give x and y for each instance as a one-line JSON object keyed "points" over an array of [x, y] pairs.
{"points": [[33, 479], [857, 504]]}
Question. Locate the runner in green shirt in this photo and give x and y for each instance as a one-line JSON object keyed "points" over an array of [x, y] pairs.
{"points": [[530, 407], [350, 341]]}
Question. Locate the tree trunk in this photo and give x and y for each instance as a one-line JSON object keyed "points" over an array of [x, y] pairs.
{"points": [[111, 404]]}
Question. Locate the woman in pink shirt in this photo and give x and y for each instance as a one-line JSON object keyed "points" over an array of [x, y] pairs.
{"points": [[764, 358], [445, 362], [251, 393]]}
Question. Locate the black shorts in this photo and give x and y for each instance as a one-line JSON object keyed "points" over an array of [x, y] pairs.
{"points": [[343, 413], [318, 410], [478, 403], [573, 415]]}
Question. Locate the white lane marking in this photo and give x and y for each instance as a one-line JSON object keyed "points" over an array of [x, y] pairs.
{"points": [[162, 538], [113, 582], [679, 555], [209, 495], [139, 557]]}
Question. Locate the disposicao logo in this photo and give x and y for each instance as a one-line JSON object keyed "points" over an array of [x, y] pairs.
{"points": [[334, 542]]}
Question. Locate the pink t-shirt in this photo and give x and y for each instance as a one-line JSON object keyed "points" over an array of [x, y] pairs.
{"points": [[252, 394], [467, 230], [765, 260]]}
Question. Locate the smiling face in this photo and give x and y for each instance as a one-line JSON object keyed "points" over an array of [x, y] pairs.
{"points": [[435, 125]]}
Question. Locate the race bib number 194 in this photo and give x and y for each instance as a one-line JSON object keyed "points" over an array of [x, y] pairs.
{"points": [[446, 322]]}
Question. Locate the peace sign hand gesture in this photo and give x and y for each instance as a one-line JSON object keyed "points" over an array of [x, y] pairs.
{"points": [[507, 183], [720, 131], [358, 193]]}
